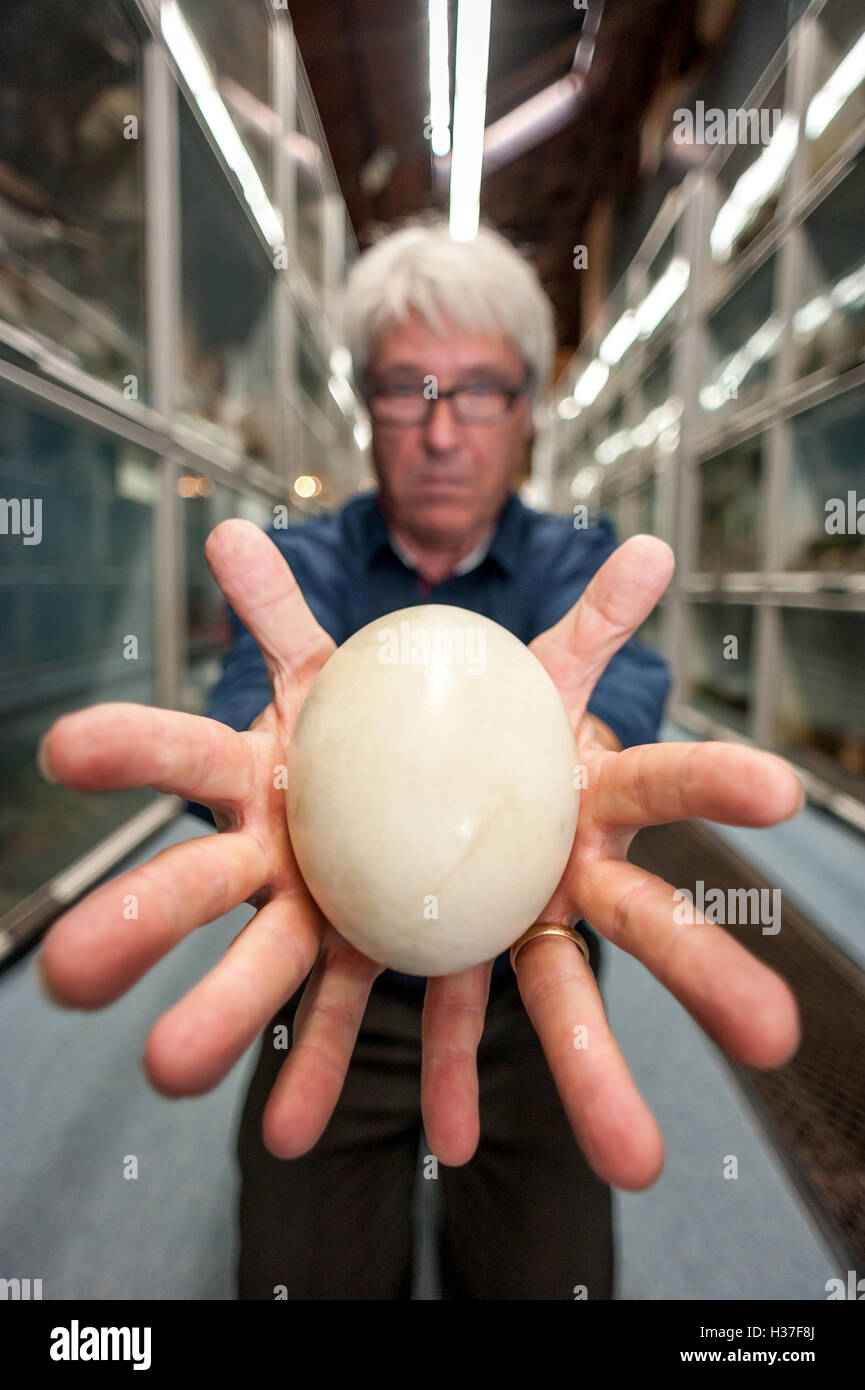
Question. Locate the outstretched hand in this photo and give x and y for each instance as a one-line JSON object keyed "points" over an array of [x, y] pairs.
{"points": [[745, 1007], [93, 954]]}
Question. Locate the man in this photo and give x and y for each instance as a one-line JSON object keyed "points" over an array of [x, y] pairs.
{"points": [[452, 345]]}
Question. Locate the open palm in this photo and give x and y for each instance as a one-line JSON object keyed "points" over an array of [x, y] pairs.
{"points": [[743, 1005], [94, 952]]}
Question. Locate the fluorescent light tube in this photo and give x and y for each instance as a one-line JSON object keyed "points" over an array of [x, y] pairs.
{"points": [[470, 105]]}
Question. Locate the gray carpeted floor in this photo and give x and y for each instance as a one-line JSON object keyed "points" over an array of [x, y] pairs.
{"points": [[76, 1106]]}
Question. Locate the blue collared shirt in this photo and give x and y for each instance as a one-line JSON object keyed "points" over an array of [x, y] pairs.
{"points": [[534, 570]]}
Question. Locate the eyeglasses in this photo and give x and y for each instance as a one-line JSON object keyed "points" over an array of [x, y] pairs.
{"points": [[472, 403]]}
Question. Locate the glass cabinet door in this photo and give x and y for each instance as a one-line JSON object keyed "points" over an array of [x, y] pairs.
{"points": [[315, 408], [657, 432], [613, 438], [821, 521], [730, 507], [234, 36], [576, 475], [743, 338], [829, 321], [77, 573], [820, 714], [311, 376], [72, 186], [837, 108], [310, 175], [753, 176], [720, 666], [351, 252], [226, 387]]}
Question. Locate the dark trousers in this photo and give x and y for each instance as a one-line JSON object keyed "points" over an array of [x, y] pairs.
{"points": [[525, 1218]]}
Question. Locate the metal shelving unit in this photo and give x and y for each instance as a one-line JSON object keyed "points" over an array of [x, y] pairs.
{"points": [[165, 260], [756, 377]]}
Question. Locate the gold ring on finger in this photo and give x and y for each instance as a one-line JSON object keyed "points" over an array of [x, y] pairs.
{"points": [[548, 929]]}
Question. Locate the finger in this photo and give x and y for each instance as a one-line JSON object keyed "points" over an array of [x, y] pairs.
{"points": [[618, 599], [660, 783], [325, 1032], [745, 1007], [114, 745], [259, 585], [103, 945], [453, 1021], [197, 1042], [612, 1123]]}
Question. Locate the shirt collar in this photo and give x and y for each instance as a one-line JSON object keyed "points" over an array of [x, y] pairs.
{"points": [[503, 546], [467, 563]]}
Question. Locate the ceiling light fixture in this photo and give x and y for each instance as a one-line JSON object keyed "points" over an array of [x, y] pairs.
{"points": [[439, 78], [470, 105]]}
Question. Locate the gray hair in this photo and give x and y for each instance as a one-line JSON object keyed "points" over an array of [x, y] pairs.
{"points": [[483, 285]]}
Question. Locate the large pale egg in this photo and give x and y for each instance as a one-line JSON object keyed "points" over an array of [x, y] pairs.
{"points": [[430, 797]]}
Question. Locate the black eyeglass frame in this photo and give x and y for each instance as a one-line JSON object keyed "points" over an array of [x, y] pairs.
{"points": [[512, 392]]}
